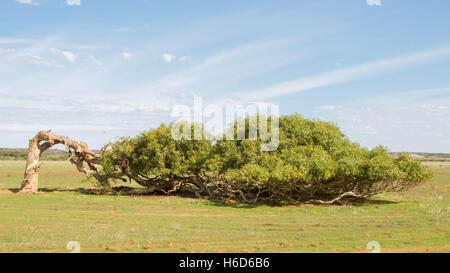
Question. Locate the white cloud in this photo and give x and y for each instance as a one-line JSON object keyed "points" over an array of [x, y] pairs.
{"points": [[127, 55], [73, 2], [96, 61], [28, 2], [167, 57], [69, 56], [373, 2], [346, 74]]}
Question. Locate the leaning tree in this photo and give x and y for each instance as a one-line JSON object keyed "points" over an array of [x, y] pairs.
{"points": [[314, 163], [78, 154]]}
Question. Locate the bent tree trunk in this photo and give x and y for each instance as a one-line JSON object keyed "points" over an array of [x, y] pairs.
{"points": [[45, 140]]}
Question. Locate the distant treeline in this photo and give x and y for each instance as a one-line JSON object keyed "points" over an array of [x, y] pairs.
{"points": [[21, 154], [57, 155], [428, 156]]}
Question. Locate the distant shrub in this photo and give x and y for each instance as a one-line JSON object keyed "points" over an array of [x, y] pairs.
{"points": [[21, 154]]}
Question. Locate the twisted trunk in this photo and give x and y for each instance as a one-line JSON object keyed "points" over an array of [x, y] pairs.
{"points": [[45, 140]]}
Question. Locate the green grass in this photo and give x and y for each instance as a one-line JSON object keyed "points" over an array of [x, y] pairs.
{"points": [[414, 221]]}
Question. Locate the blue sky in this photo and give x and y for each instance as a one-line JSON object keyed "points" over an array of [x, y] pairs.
{"points": [[97, 70]]}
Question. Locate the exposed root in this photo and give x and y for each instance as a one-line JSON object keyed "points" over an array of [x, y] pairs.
{"points": [[338, 199]]}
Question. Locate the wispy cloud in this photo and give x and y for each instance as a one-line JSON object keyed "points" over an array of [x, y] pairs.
{"points": [[52, 51], [331, 108], [95, 61], [185, 59], [373, 2], [167, 57], [122, 29], [6, 50], [73, 2], [27, 51], [126, 55], [436, 108], [69, 56], [368, 130], [28, 2], [86, 47], [215, 70], [6, 40], [346, 74], [402, 121], [38, 60]]}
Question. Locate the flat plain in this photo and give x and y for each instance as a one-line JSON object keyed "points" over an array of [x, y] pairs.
{"points": [[65, 210]]}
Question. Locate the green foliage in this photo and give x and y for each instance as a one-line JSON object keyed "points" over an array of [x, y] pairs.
{"points": [[314, 160], [154, 156], [412, 170]]}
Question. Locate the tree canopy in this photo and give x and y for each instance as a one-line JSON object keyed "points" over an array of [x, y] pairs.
{"points": [[314, 161]]}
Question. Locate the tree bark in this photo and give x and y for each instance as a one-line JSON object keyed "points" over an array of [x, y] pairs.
{"points": [[74, 148]]}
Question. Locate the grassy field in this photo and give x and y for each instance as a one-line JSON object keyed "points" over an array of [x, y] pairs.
{"points": [[414, 221]]}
